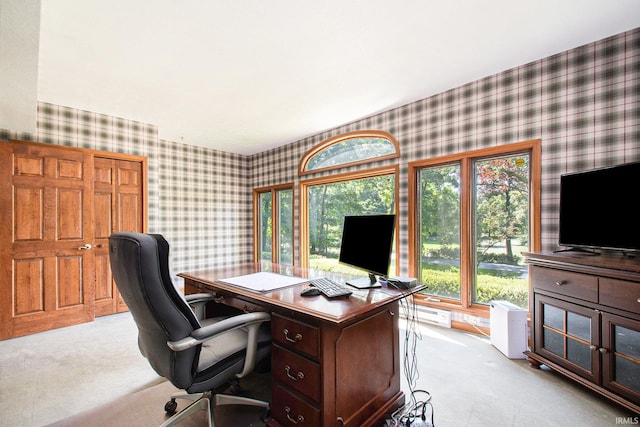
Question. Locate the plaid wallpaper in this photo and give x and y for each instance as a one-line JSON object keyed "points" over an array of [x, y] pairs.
{"points": [[583, 104], [199, 199]]}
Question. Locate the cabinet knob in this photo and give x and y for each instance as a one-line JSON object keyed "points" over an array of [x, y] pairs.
{"points": [[638, 300], [603, 350], [561, 282], [593, 347]]}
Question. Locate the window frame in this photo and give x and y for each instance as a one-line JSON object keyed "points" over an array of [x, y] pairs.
{"points": [[275, 232], [306, 158], [334, 178], [465, 160]]}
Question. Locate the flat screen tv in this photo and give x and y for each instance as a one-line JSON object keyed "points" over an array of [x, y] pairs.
{"points": [[367, 242], [598, 209]]}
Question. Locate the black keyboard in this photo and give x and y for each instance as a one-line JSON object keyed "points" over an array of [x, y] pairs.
{"points": [[329, 288]]}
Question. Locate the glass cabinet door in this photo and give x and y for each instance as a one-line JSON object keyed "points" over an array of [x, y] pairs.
{"points": [[568, 335], [621, 355]]}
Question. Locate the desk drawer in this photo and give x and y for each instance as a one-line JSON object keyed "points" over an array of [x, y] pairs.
{"points": [[620, 294], [296, 372], [295, 334], [290, 410], [567, 283], [241, 304]]}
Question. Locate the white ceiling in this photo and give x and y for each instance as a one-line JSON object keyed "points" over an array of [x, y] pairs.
{"points": [[245, 76]]}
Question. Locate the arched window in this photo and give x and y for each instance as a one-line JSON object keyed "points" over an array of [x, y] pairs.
{"points": [[325, 200], [348, 149]]}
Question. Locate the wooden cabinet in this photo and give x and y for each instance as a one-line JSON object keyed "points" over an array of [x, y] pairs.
{"points": [[295, 364], [327, 375], [586, 321]]}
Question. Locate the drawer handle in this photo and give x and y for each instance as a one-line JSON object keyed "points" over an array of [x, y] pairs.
{"points": [[297, 377], [561, 282], [300, 418], [298, 337]]}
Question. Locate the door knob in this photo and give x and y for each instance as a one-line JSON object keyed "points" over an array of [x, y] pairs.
{"points": [[85, 247]]}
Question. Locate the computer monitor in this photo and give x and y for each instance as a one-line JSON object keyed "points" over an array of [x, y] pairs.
{"points": [[367, 242]]}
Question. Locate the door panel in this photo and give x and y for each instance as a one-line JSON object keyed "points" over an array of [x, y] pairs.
{"points": [[104, 190], [28, 224], [46, 278], [129, 190], [69, 272], [118, 201], [104, 284], [68, 207], [29, 296], [104, 208]]}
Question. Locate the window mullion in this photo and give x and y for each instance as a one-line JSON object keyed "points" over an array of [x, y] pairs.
{"points": [[275, 226], [466, 256]]}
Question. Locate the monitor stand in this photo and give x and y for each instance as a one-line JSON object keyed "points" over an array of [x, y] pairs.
{"points": [[365, 282]]}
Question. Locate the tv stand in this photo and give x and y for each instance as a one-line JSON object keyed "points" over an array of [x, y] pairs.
{"points": [[574, 249], [585, 321], [365, 282]]}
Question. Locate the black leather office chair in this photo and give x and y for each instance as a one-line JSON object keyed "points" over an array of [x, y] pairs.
{"points": [[194, 354]]}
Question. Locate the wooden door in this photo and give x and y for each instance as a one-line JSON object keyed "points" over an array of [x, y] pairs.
{"points": [[46, 238], [119, 206]]}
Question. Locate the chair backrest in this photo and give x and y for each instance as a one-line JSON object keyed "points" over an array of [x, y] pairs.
{"points": [[140, 268]]}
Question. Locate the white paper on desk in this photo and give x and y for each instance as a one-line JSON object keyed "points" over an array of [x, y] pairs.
{"points": [[264, 281]]}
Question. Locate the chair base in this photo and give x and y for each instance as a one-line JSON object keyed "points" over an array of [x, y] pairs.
{"points": [[208, 401], [202, 403]]}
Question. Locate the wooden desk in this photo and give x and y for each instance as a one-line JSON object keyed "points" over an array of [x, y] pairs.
{"points": [[334, 362]]}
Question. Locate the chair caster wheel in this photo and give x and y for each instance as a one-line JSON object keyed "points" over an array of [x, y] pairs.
{"points": [[170, 407]]}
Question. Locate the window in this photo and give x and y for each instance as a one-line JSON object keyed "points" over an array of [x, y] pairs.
{"points": [[349, 149], [273, 222], [325, 203], [475, 213], [439, 227]]}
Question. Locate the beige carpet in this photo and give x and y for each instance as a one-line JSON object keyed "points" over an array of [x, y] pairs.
{"points": [[93, 375], [145, 408]]}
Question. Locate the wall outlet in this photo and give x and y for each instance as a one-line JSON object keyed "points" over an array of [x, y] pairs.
{"points": [[472, 320]]}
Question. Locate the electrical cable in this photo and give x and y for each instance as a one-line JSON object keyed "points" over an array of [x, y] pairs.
{"points": [[416, 409]]}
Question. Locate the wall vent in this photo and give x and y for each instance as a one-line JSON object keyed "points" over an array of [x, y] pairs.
{"points": [[434, 316]]}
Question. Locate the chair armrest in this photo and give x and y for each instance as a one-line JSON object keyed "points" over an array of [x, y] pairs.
{"points": [[198, 303], [201, 335], [196, 298]]}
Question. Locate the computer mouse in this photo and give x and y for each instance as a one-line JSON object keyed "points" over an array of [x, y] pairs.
{"points": [[310, 292]]}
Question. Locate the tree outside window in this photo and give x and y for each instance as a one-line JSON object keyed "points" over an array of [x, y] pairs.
{"points": [[475, 216], [329, 203]]}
